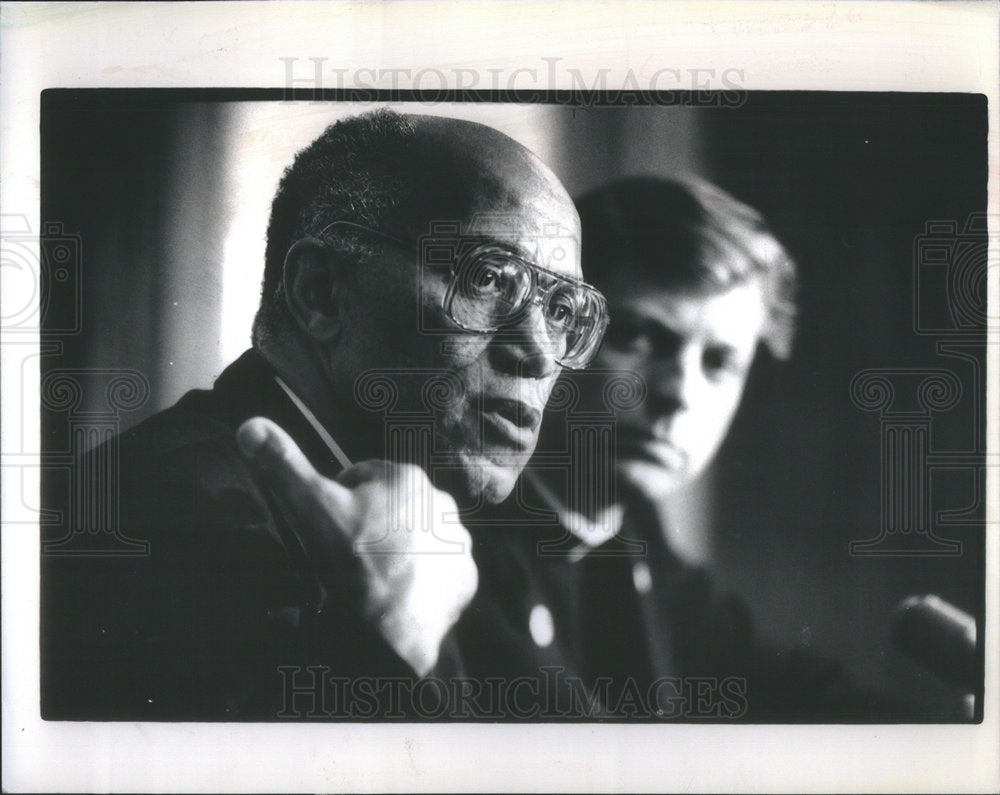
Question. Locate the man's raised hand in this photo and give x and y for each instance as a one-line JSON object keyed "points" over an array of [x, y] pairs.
{"points": [[414, 553]]}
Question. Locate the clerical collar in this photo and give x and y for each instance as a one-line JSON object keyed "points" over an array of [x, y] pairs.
{"points": [[590, 533], [317, 426]]}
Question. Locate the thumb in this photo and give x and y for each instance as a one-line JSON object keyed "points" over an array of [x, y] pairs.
{"points": [[290, 475]]}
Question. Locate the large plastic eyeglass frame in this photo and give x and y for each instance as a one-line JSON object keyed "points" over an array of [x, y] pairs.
{"points": [[537, 295]]}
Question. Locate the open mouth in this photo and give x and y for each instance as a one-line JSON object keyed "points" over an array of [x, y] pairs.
{"points": [[515, 411], [511, 422]]}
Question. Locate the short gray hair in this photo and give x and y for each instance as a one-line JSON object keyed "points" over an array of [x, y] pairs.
{"points": [[358, 170]]}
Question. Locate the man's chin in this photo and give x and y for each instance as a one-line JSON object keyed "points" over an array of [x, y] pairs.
{"points": [[481, 480], [651, 480]]}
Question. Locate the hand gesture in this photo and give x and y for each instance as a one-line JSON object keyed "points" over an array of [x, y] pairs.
{"points": [[414, 553]]}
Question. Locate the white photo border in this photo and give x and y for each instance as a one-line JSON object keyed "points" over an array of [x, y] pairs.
{"points": [[852, 46]]}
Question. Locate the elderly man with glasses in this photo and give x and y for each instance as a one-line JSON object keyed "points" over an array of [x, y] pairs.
{"points": [[422, 293]]}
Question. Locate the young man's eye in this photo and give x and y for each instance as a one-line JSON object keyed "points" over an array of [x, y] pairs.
{"points": [[722, 361]]}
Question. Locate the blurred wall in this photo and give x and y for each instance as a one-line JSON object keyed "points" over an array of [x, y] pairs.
{"points": [[143, 186], [850, 183]]}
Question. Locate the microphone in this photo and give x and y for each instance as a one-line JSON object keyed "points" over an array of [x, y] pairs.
{"points": [[938, 635]]}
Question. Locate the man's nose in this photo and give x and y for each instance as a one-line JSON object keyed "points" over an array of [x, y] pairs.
{"points": [[673, 384], [526, 346]]}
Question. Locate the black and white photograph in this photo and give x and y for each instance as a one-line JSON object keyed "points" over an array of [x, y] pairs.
{"points": [[381, 406], [242, 553]]}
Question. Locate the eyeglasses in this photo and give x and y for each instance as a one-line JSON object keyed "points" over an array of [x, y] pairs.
{"points": [[491, 288]]}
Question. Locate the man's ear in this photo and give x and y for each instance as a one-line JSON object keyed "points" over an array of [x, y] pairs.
{"points": [[313, 279]]}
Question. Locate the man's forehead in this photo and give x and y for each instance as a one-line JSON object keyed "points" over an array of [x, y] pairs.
{"points": [[736, 306], [478, 152], [495, 188], [535, 237]]}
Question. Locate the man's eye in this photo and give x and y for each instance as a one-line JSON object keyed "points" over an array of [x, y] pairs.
{"points": [[559, 313], [487, 279], [722, 361], [560, 310]]}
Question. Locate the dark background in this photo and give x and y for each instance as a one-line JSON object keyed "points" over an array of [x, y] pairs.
{"points": [[140, 181], [849, 183]]}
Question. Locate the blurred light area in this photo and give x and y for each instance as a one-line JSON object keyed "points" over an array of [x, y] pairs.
{"points": [[601, 144], [688, 519], [188, 308]]}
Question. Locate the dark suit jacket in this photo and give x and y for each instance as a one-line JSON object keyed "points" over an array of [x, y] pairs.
{"points": [[224, 616], [640, 635]]}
